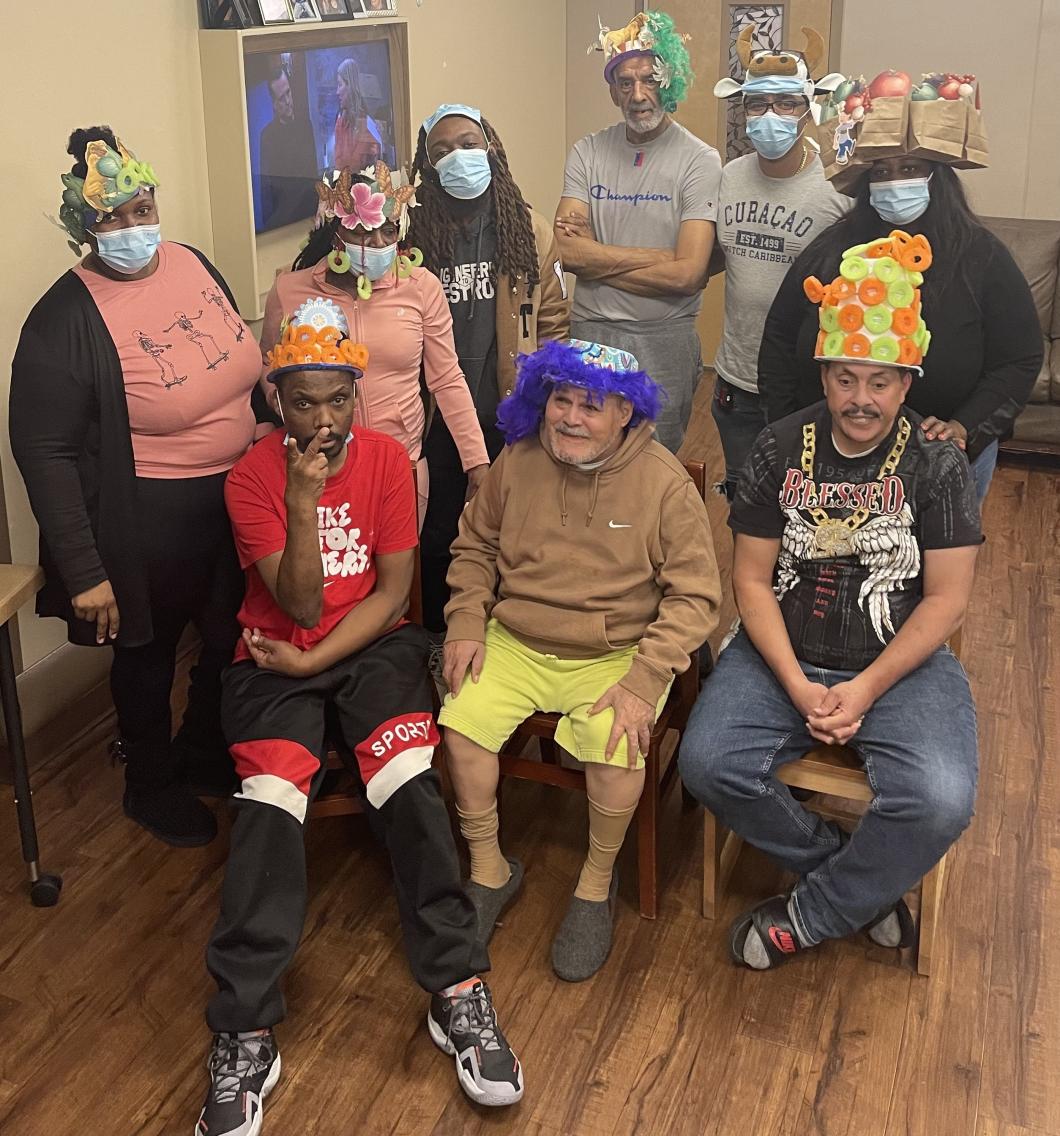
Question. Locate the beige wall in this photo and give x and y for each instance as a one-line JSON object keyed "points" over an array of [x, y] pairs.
{"points": [[1013, 48], [461, 51]]}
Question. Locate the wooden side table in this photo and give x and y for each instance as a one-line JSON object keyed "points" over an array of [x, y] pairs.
{"points": [[18, 582]]}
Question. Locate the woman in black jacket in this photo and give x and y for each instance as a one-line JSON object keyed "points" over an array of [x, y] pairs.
{"points": [[131, 394], [986, 343]]}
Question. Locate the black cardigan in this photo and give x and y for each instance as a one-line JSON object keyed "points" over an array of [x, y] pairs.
{"points": [[70, 435], [986, 342]]}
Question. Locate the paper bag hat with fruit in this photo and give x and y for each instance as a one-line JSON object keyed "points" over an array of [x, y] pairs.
{"points": [[939, 120]]}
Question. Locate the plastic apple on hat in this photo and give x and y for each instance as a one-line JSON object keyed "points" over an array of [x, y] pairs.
{"points": [[890, 84]]}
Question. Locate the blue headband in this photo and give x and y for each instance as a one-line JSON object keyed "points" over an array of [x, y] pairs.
{"points": [[448, 109]]}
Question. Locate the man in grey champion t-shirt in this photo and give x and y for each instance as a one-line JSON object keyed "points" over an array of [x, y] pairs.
{"points": [[771, 205], [636, 220]]}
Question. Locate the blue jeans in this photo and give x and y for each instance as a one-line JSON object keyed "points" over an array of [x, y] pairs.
{"points": [[983, 470], [918, 744], [740, 418]]}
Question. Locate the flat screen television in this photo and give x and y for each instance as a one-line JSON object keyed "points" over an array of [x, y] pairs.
{"points": [[326, 98]]}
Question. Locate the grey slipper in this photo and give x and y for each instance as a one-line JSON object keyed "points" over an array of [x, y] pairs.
{"points": [[491, 903], [583, 941]]}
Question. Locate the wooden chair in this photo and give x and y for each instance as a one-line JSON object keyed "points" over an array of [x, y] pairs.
{"points": [[340, 795], [660, 770], [836, 772]]}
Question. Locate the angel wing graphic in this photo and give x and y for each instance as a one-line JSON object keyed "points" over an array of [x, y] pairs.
{"points": [[887, 547], [796, 544]]}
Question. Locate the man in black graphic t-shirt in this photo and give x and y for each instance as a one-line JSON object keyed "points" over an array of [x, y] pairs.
{"points": [[856, 541]]}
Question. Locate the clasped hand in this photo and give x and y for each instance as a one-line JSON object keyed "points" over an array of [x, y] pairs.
{"points": [[834, 714]]}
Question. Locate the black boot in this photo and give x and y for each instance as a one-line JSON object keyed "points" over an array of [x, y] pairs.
{"points": [[203, 764], [205, 767], [156, 802]]}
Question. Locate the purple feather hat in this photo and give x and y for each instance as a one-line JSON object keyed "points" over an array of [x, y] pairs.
{"points": [[592, 366]]}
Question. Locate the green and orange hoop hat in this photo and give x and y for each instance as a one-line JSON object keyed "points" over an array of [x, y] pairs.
{"points": [[871, 312], [316, 338]]}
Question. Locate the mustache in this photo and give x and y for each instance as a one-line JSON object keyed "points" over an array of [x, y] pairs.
{"points": [[858, 413], [567, 433]]}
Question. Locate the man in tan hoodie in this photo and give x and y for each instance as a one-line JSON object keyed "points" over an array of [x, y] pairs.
{"points": [[583, 575]]}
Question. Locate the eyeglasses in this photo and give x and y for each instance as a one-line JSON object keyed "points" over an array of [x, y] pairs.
{"points": [[788, 105]]}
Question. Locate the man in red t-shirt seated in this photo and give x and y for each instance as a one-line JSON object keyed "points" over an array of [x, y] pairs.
{"points": [[326, 528]]}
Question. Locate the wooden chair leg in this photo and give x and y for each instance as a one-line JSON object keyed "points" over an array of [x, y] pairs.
{"points": [[930, 908], [647, 842], [720, 851], [710, 865]]}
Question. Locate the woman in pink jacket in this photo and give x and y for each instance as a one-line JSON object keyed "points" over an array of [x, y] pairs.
{"points": [[399, 311]]}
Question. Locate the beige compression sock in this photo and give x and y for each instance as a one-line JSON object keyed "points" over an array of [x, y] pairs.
{"points": [[488, 865], [607, 830]]}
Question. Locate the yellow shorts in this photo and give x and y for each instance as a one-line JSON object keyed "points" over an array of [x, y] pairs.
{"points": [[516, 681]]}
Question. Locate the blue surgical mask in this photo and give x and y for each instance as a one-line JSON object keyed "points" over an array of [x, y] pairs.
{"points": [[772, 134], [372, 262], [899, 202], [465, 174], [128, 250]]}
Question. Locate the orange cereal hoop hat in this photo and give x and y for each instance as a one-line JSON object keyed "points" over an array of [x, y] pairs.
{"points": [[316, 338], [871, 312]]}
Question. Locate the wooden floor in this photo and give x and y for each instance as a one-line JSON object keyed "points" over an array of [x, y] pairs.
{"points": [[101, 999]]}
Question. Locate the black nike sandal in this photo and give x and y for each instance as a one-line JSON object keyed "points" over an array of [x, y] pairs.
{"points": [[907, 927], [775, 929]]}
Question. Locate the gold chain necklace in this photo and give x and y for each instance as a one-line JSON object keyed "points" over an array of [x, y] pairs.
{"points": [[806, 148], [832, 537]]}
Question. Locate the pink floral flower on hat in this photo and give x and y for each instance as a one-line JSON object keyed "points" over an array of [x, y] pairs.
{"points": [[367, 208]]}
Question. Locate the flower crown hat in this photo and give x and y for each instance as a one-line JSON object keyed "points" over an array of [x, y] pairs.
{"points": [[871, 311], [578, 363], [113, 177], [649, 34], [316, 338], [387, 196]]}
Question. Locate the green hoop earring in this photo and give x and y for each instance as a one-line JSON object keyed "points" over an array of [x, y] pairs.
{"points": [[339, 261]]}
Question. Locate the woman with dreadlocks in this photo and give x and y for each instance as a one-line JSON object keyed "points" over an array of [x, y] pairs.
{"points": [[498, 264], [358, 260]]}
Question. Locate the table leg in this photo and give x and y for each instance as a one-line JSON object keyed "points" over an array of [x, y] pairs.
{"points": [[44, 888]]}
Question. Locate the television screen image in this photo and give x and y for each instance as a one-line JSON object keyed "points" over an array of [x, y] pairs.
{"points": [[313, 109]]}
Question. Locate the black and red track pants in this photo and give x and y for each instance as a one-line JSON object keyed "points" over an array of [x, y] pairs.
{"points": [[379, 701]]}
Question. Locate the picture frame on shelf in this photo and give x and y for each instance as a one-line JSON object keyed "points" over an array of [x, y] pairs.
{"points": [[365, 8], [305, 11], [227, 13], [335, 9], [275, 11]]}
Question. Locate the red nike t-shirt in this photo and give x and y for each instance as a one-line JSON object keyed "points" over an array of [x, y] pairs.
{"points": [[367, 509]]}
